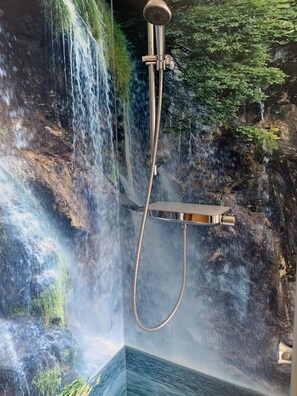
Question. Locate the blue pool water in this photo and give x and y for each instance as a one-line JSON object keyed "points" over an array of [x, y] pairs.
{"points": [[135, 373], [149, 375], [111, 381]]}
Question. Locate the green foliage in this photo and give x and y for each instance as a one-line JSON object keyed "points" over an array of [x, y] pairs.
{"points": [[266, 137], [47, 382], [222, 48], [78, 387], [284, 20]]}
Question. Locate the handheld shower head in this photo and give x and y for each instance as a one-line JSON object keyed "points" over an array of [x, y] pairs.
{"points": [[160, 42], [157, 12]]}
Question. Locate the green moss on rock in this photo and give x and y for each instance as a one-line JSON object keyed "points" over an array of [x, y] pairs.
{"points": [[50, 303], [89, 12], [57, 14], [47, 382], [123, 63]]}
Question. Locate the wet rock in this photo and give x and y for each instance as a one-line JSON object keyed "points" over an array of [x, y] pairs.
{"points": [[28, 348]]}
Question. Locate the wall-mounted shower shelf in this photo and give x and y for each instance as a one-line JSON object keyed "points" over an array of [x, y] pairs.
{"points": [[191, 213]]}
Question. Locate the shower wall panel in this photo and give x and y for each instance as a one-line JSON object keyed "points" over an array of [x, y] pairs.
{"points": [[239, 300]]}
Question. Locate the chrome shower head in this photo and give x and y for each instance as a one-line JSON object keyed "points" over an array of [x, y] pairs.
{"points": [[157, 12]]}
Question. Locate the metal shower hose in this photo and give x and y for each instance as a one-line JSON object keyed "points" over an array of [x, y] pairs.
{"points": [[142, 228]]}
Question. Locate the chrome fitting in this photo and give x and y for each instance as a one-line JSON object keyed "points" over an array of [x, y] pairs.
{"points": [[159, 63], [228, 220], [191, 213], [285, 354]]}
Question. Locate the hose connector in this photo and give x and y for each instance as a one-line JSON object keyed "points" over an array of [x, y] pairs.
{"points": [[228, 220]]}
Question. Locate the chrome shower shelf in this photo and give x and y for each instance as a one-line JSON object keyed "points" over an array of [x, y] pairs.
{"points": [[191, 213]]}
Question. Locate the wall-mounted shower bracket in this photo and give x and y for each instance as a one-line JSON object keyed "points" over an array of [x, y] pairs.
{"points": [[188, 213], [153, 60], [285, 354]]}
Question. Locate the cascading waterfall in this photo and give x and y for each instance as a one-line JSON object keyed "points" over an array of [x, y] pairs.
{"points": [[128, 150], [91, 92], [9, 355], [96, 311], [8, 352], [6, 91], [58, 291], [262, 110], [12, 111], [136, 136], [222, 283], [29, 278]]}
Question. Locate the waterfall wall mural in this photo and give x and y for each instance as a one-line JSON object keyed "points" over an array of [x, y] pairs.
{"points": [[61, 277], [239, 300], [75, 153]]}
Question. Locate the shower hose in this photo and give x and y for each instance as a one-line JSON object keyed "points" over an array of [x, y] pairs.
{"points": [[142, 228]]}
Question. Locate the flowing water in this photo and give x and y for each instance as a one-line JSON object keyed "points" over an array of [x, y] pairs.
{"points": [[33, 259], [88, 275], [135, 131], [96, 309], [222, 273], [9, 357]]}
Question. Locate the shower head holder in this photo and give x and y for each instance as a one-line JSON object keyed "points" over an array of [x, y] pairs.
{"points": [[153, 60], [187, 213]]}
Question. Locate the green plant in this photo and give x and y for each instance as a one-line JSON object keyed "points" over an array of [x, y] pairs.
{"points": [[78, 387], [222, 48], [266, 137], [284, 20], [47, 382], [69, 355], [49, 304]]}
